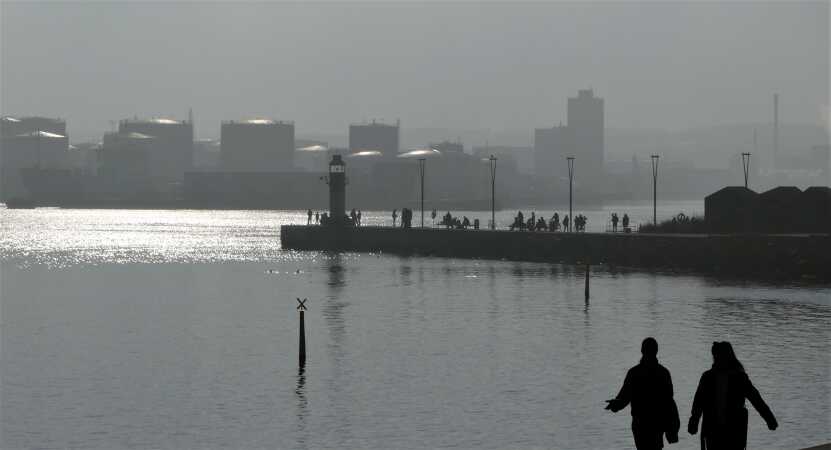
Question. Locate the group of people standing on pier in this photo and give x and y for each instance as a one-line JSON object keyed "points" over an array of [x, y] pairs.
{"points": [[450, 222], [353, 219], [539, 224], [462, 223], [719, 399], [615, 220], [406, 217]]}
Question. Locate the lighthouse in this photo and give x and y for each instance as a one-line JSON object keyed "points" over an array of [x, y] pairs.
{"points": [[337, 190]]}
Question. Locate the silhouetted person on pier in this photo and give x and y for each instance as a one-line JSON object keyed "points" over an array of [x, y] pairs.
{"points": [[541, 226], [532, 220], [648, 387], [354, 216], [465, 222], [447, 220], [309, 214], [518, 223], [520, 220], [555, 222], [614, 222], [625, 222], [565, 223], [475, 224], [394, 216], [317, 217], [720, 399], [359, 217], [433, 216]]}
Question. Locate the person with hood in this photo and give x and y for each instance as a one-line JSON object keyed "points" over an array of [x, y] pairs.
{"points": [[648, 388], [720, 398]]}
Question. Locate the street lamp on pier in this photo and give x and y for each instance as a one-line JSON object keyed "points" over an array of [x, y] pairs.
{"points": [[570, 160], [746, 166], [421, 162], [492, 161], [654, 189]]}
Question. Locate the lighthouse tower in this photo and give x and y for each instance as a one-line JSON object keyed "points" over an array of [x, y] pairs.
{"points": [[337, 190]]}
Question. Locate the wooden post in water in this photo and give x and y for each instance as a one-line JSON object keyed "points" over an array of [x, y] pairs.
{"points": [[587, 282], [302, 307]]}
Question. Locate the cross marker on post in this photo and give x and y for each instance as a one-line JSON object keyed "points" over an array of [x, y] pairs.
{"points": [[301, 306]]}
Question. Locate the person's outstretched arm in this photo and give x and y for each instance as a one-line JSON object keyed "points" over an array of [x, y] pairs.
{"points": [[755, 398], [697, 407], [624, 396]]}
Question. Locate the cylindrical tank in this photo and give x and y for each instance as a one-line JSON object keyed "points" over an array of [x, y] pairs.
{"points": [[337, 190]]}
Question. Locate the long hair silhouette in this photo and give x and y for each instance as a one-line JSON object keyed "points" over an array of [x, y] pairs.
{"points": [[724, 357]]}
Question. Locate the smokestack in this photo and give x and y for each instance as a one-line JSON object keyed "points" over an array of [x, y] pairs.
{"points": [[775, 128]]}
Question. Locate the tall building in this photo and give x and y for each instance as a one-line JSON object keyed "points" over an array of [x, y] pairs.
{"points": [[171, 154], [26, 143], [585, 119], [551, 147], [257, 145], [374, 136]]}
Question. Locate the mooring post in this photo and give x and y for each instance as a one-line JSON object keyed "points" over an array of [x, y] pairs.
{"points": [[301, 306], [587, 282]]}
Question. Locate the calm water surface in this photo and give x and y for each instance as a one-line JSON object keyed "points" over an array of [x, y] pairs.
{"points": [[178, 330]]}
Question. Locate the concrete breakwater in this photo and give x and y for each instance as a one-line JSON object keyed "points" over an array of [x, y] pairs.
{"points": [[777, 256]]}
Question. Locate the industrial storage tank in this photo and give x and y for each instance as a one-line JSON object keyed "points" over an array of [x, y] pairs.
{"points": [[257, 145], [171, 154]]}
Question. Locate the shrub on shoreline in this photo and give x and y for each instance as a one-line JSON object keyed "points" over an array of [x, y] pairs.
{"points": [[681, 223]]}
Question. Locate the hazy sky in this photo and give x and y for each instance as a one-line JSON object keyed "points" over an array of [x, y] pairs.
{"points": [[459, 65]]}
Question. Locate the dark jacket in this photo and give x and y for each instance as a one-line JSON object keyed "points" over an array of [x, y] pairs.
{"points": [[648, 387], [720, 399]]}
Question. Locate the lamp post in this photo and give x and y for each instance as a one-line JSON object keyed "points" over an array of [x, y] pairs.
{"points": [[746, 166], [654, 189], [570, 160], [492, 161], [421, 175]]}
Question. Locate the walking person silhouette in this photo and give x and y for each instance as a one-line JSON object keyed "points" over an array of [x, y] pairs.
{"points": [[648, 387], [720, 399]]}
